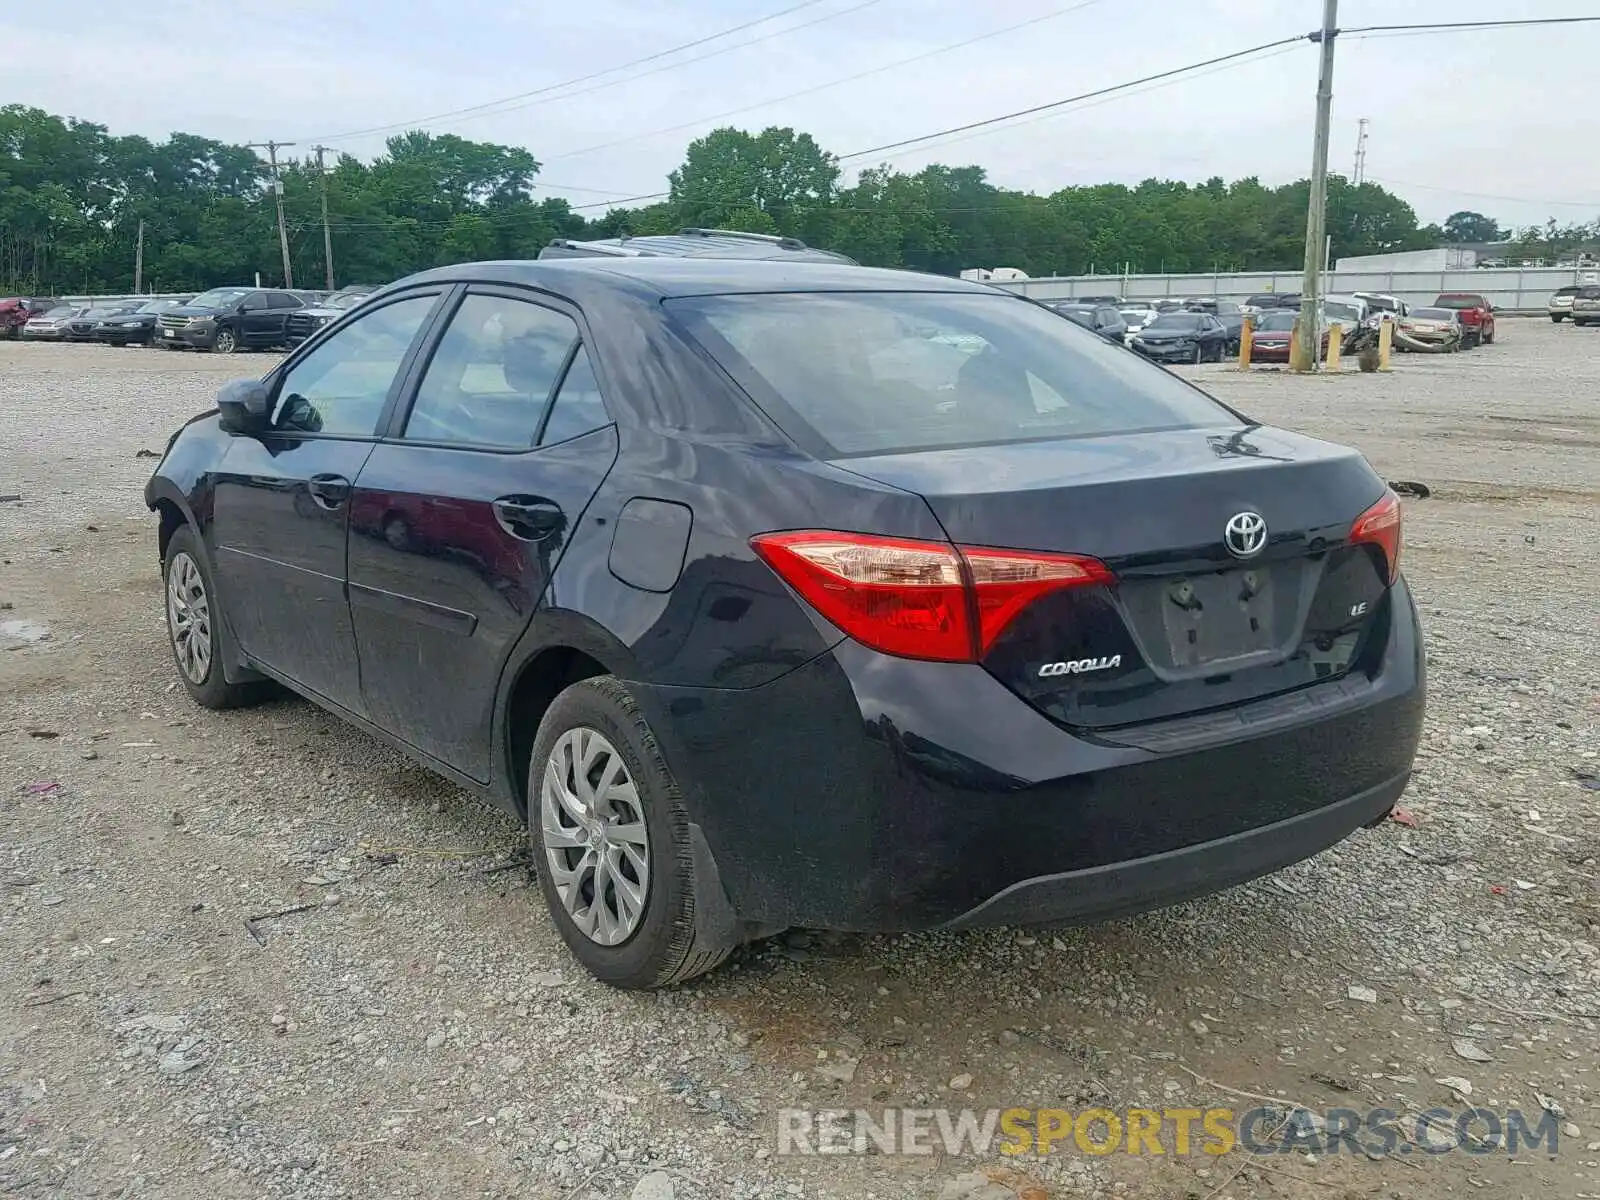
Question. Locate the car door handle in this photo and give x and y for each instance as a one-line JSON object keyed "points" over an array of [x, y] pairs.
{"points": [[529, 518], [328, 491]]}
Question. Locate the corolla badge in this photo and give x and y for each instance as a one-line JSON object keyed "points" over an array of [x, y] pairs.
{"points": [[1245, 534], [1078, 666]]}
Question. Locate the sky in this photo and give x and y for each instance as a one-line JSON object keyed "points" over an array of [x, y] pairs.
{"points": [[1500, 122]]}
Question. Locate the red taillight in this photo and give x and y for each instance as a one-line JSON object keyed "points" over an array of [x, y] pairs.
{"points": [[918, 599], [1380, 526]]}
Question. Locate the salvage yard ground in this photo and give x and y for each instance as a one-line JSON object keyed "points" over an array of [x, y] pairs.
{"points": [[415, 1028]]}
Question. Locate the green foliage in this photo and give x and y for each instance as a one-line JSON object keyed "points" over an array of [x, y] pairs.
{"points": [[1471, 227], [72, 196]]}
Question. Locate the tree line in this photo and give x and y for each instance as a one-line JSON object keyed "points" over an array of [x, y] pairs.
{"points": [[73, 196]]}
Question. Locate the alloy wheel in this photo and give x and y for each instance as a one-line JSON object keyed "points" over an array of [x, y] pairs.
{"points": [[189, 617], [225, 343], [597, 847]]}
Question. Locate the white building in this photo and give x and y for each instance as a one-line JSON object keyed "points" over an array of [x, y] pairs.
{"points": [[1446, 258]]}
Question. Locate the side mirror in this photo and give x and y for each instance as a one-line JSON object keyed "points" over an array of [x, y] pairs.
{"points": [[244, 405]]}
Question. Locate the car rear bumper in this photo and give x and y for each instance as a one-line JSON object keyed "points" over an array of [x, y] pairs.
{"points": [[863, 792]]}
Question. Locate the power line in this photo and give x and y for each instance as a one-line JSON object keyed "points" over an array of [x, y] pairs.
{"points": [[1465, 26], [1036, 109], [1105, 91], [811, 91], [1450, 191], [542, 95], [1139, 90]]}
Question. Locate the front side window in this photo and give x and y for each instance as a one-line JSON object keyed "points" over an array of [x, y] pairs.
{"points": [[887, 372], [492, 374], [339, 388]]}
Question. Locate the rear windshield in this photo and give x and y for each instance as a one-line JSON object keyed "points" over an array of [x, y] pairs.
{"points": [[886, 372], [1433, 314], [1458, 302]]}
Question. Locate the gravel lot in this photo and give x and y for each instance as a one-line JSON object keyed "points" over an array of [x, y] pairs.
{"points": [[420, 1031]]}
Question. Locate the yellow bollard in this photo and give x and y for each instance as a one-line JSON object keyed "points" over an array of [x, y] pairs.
{"points": [[1335, 340], [1385, 344], [1246, 336], [1296, 359]]}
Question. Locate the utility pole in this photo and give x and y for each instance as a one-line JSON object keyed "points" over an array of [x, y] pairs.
{"points": [[272, 149], [1360, 175], [138, 261], [327, 234], [1317, 210]]}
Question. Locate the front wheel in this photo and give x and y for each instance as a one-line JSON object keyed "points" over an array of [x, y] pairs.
{"points": [[226, 342], [610, 834], [1556, 318], [194, 627], [1199, 356]]}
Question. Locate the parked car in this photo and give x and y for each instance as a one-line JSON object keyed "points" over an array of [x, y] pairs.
{"points": [[1183, 337], [83, 327], [228, 319], [307, 321], [1379, 304], [137, 328], [1586, 305], [694, 243], [17, 311], [1136, 318], [1231, 316], [1477, 316], [1101, 319], [1273, 333], [1560, 303], [1436, 326], [51, 325], [765, 601]]}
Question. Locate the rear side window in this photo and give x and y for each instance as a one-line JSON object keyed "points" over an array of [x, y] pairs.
{"points": [[854, 373], [492, 374]]}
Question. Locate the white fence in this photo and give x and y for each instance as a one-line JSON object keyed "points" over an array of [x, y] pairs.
{"points": [[1509, 289]]}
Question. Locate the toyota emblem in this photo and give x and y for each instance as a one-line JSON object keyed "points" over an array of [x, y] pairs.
{"points": [[1245, 535]]}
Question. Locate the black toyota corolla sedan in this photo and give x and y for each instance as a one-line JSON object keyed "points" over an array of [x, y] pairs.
{"points": [[777, 594]]}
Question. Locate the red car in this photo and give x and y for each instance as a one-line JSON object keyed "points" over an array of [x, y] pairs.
{"points": [[1273, 330], [17, 311], [1476, 313]]}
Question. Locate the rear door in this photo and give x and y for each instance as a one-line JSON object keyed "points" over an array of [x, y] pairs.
{"points": [[282, 500], [463, 510]]}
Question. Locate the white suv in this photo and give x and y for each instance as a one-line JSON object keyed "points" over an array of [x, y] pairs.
{"points": [[1560, 306]]}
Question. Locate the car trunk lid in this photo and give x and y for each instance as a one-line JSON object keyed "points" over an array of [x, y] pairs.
{"points": [[1188, 625]]}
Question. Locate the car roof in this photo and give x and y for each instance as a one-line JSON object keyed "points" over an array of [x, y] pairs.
{"points": [[693, 243], [694, 276]]}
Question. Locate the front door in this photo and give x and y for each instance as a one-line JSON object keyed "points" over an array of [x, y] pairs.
{"points": [[461, 514], [282, 501]]}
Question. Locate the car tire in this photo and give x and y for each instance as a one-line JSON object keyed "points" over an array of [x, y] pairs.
{"points": [[226, 342], [639, 937], [194, 627], [1555, 318], [1199, 356], [1579, 322]]}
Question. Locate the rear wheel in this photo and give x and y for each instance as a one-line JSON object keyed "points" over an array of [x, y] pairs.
{"points": [[610, 834], [1555, 317], [194, 627]]}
